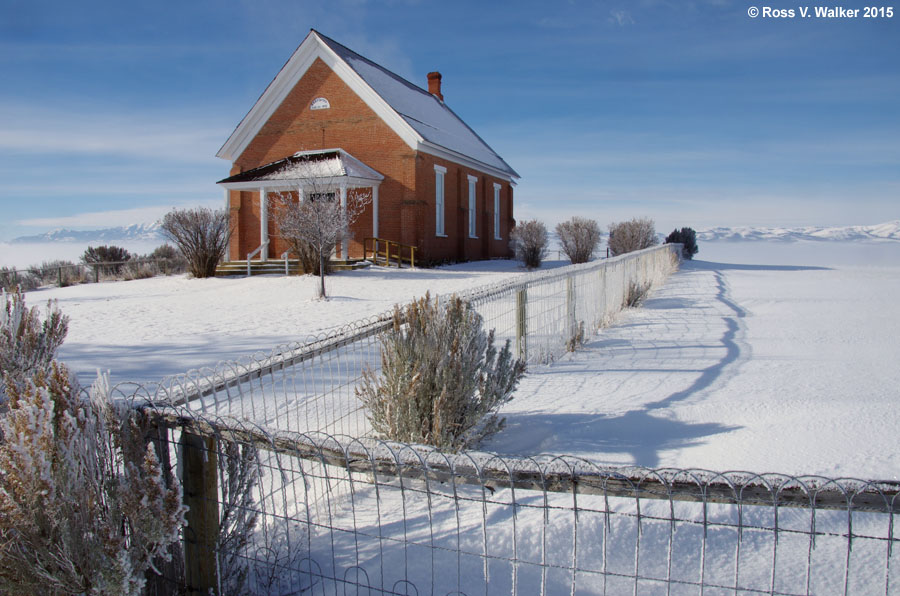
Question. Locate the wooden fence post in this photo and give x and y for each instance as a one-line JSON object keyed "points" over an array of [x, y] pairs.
{"points": [[522, 324], [201, 495], [164, 575]]}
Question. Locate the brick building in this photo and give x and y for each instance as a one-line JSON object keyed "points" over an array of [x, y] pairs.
{"points": [[334, 118]]}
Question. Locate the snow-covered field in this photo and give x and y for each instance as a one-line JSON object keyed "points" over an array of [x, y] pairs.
{"points": [[763, 357], [768, 356], [146, 329]]}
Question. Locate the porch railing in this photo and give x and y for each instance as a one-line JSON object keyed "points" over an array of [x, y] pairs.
{"points": [[404, 252], [262, 250]]}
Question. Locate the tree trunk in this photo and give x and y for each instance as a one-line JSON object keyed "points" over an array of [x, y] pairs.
{"points": [[322, 265]]}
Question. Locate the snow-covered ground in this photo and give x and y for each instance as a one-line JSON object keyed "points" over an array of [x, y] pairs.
{"points": [[146, 329], [767, 356], [757, 356]]}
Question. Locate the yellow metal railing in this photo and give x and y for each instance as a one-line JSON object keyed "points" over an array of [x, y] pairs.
{"points": [[390, 250]]}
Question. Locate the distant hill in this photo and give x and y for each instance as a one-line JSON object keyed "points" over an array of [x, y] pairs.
{"points": [[885, 231], [148, 232]]}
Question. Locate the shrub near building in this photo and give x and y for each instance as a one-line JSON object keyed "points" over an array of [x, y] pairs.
{"points": [[529, 241], [629, 236], [579, 238]]}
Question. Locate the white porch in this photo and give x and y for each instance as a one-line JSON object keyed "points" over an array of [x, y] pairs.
{"points": [[307, 173]]}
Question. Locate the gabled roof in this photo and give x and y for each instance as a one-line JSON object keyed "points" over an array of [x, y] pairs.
{"points": [[424, 122], [328, 165]]}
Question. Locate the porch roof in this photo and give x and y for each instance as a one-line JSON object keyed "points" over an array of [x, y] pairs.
{"points": [[319, 168]]}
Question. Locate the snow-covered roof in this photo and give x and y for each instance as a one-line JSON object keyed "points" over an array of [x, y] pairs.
{"points": [[324, 166], [418, 117]]}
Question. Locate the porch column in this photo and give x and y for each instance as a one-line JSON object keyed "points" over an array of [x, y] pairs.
{"points": [[345, 242], [263, 223], [375, 210]]}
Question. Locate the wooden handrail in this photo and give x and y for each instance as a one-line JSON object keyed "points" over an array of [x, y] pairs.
{"points": [[388, 253]]}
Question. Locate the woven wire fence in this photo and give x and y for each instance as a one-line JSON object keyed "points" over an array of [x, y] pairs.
{"points": [[311, 386], [290, 494], [319, 514]]}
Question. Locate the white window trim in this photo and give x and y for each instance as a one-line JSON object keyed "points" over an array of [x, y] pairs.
{"points": [[497, 212], [439, 202], [473, 204]]}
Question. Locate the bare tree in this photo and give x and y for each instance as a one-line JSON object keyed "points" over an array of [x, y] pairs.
{"points": [[529, 240], [201, 235], [318, 221], [628, 236], [580, 238]]}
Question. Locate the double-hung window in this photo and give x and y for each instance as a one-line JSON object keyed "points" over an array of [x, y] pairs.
{"points": [[497, 211], [439, 172], [473, 223]]}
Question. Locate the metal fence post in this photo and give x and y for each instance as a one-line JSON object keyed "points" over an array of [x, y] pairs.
{"points": [[571, 323], [522, 324], [201, 496]]}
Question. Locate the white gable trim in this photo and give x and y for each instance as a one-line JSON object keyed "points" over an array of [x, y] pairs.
{"points": [[304, 57], [444, 153]]}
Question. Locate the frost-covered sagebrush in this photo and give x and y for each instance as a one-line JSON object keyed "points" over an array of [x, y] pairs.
{"points": [[84, 504], [442, 379], [529, 241], [27, 344], [632, 235], [579, 238]]}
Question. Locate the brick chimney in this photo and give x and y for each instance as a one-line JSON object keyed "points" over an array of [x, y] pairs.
{"points": [[434, 85]]}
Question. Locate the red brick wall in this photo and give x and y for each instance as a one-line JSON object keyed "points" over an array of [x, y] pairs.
{"points": [[458, 246], [406, 213]]}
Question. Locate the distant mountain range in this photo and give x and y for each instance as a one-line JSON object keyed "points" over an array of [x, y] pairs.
{"points": [[150, 232], [885, 231]]}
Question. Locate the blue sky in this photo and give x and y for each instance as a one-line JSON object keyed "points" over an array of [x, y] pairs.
{"points": [[691, 113]]}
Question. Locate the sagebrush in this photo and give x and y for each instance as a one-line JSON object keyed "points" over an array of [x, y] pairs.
{"points": [[579, 238], [635, 294], [107, 259], [27, 343], [629, 236], [441, 379], [84, 503], [529, 241]]}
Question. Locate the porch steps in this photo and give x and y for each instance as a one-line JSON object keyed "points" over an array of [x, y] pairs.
{"points": [[276, 267]]}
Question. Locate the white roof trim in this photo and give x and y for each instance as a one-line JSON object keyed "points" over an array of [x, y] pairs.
{"points": [[444, 153], [294, 184], [293, 70]]}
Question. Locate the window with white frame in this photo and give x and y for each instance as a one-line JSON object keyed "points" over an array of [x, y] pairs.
{"points": [[439, 172], [497, 211], [473, 223]]}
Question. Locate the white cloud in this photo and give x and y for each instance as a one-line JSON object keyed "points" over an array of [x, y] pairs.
{"points": [[43, 130], [621, 18]]}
